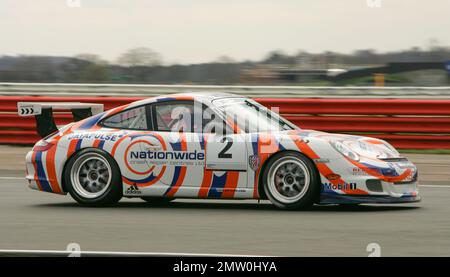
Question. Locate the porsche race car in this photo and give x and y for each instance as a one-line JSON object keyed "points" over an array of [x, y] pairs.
{"points": [[208, 145]]}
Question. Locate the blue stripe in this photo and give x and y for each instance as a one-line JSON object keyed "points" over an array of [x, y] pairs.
{"points": [[150, 178], [41, 173], [101, 143], [202, 141], [218, 183], [78, 146], [255, 138], [176, 146], [165, 99], [90, 122], [386, 171], [280, 147], [176, 175]]}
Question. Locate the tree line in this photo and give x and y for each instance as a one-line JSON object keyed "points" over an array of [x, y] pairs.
{"points": [[143, 65]]}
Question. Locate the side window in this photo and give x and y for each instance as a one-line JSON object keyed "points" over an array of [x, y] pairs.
{"points": [[176, 117], [135, 119], [184, 116]]}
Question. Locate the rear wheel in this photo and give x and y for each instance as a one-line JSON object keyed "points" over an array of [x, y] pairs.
{"points": [[93, 178], [291, 181]]}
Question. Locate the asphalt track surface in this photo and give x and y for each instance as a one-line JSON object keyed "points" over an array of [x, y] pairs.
{"points": [[31, 220]]}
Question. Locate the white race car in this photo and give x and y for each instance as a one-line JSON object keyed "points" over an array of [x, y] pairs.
{"points": [[208, 146]]}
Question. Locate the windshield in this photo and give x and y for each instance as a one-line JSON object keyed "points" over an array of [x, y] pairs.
{"points": [[251, 117]]}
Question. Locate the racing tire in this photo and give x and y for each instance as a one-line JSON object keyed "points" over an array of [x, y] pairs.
{"points": [[291, 181], [157, 200], [92, 177]]}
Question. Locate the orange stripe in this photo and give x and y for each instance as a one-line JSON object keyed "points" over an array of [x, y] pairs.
{"points": [[96, 143], [379, 175], [180, 180], [207, 174], [36, 178], [373, 141], [50, 161], [324, 169], [95, 127], [231, 184], [234, 126], [72, 146], [113, 151], [270, 147], [51, 168], [157, 178], [206, 183], [116, 110]]}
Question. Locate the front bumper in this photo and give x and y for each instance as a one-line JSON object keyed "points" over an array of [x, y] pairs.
{"points": [[386, 193], [377, 183], [329, 198]]}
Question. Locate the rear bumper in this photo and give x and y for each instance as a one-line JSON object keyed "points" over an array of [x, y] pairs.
{"points": [[37, 174]]}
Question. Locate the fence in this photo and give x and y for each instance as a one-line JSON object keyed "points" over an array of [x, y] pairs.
{"points": [[406, 123], [63, 90]]}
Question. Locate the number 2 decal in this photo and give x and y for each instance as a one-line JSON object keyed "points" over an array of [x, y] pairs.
{"points": [[223, 154]]}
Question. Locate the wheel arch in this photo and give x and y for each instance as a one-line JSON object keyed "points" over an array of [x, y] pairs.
{"points": [[63, 180], [261, 193]]}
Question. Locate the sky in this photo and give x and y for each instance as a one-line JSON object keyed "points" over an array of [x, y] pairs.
{"points": [[196, 31]]}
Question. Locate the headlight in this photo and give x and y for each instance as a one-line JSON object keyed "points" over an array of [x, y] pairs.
{"points": [[345, 150], [390, 147]]}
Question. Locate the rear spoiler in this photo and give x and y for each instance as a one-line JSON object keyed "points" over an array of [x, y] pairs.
{"points": [[43, 112]]}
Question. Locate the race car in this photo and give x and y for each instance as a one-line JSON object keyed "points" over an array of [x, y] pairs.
{"points": [[208, 145]]}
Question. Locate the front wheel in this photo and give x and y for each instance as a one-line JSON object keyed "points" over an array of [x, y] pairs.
{"points": [[291, 181], [93, 178]]}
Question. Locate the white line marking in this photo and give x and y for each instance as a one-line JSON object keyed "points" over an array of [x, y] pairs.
{"points": [[12, 178], [118, 253], [434, 186]]}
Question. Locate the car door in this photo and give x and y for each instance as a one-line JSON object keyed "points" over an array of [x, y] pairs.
{"points": [[227, 152], [226, 159], [184, 151]]}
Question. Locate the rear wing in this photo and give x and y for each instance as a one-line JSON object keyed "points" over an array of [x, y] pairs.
{"points": [[43, 113]]}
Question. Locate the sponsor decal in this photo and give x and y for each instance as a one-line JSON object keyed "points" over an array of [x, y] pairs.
{"points": [[321, 161], [133, 190], [333, 177], [141, 156], [356, 171], [254, 161], [345, 186], [148, 173], [167, 155], [100, 136]]}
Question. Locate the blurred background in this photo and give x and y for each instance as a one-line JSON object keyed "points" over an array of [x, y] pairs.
{"points": [[378, 68], [317, 61], [264, 42]]}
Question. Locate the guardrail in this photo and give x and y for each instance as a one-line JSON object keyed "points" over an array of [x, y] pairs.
{"points": [[406, 123], [63, 90]]}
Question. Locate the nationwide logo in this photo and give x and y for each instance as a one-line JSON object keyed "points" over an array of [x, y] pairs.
{"points": [[133, 190], [167, 155]]}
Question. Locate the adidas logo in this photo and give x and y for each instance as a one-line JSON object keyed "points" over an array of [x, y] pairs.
{"points": [[133, 190]]}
